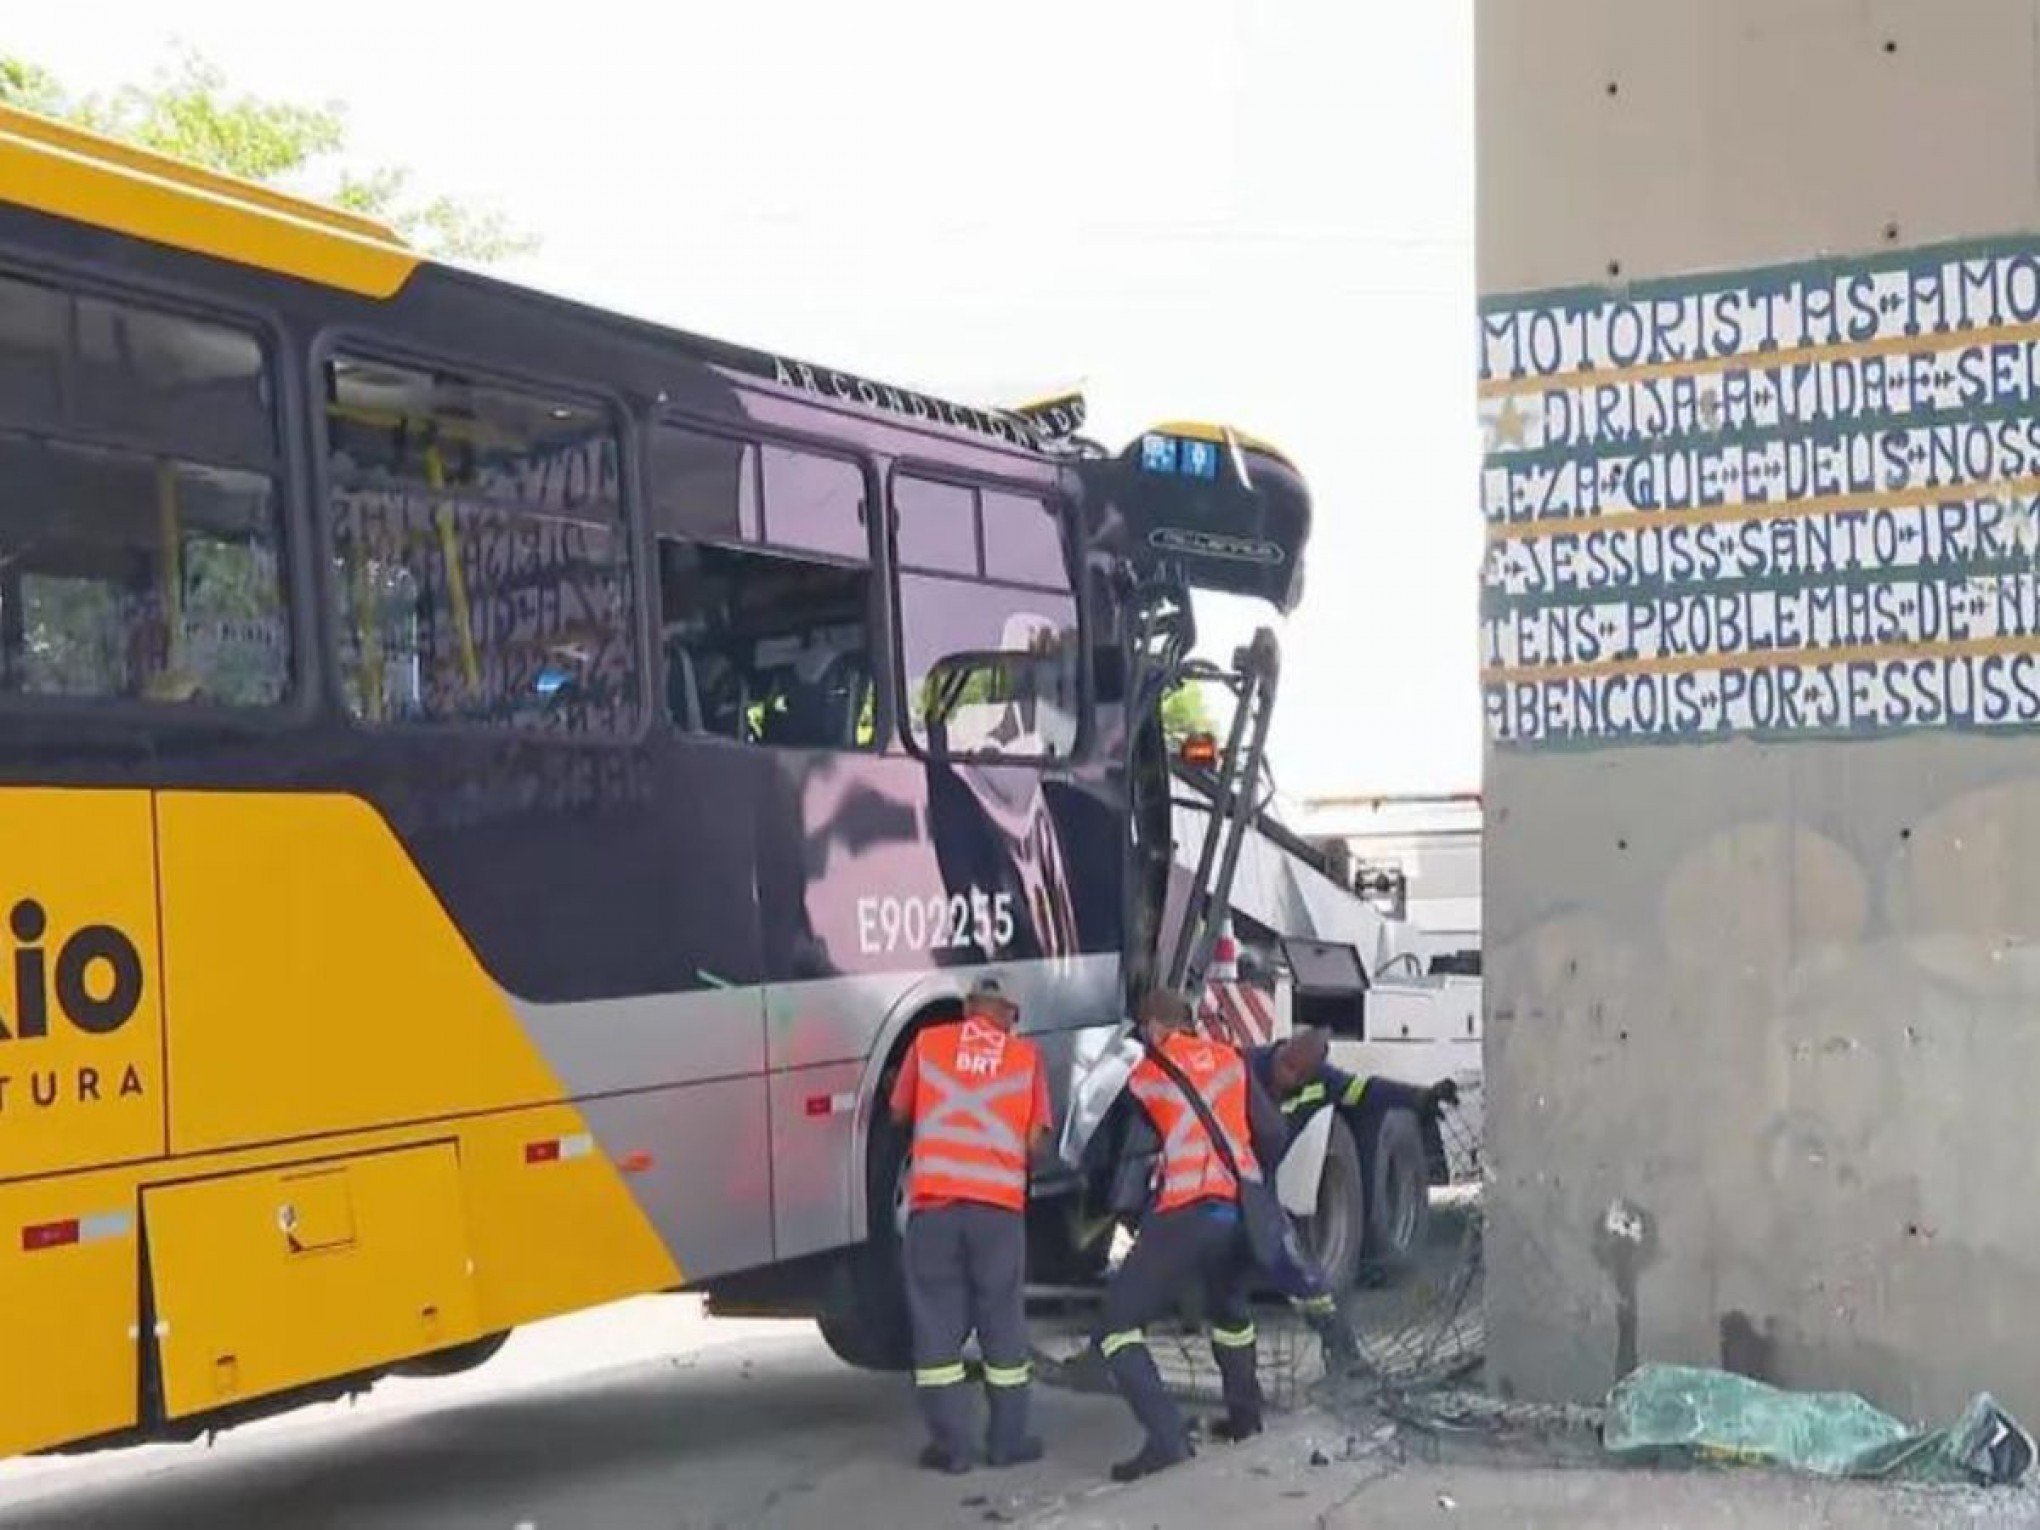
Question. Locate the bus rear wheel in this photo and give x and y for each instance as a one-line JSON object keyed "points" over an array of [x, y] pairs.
{"points": [[864, 1318], [451, 1362]]}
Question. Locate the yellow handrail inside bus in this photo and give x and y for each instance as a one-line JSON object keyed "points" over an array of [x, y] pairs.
{"points": [[172, 682], [367, 621], [446, 429], [456, 581], [171, 575]]}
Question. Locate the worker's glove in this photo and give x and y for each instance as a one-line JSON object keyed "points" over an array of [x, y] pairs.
{"points": [[1439, 1095]]}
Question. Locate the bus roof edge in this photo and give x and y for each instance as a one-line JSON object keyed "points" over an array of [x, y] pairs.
{"points": [[70, 172]]}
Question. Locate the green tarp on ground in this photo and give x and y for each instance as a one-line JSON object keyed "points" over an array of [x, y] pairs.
{"points": [[1662, 1412]]}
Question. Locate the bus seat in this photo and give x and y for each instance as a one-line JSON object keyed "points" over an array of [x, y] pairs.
{"points": [[820, 702], [849, 683], [683, 691]]}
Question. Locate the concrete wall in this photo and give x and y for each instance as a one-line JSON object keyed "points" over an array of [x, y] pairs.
{"points": [[1763, 1034]]}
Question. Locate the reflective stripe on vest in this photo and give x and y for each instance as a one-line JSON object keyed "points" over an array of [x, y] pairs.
{"points": [[970, 1139], [1192, 1170]]}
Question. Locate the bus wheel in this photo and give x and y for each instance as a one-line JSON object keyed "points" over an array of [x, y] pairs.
{"points": [[1398, 1220], [1334, 1233], [864, 1320], [451, 1362]]}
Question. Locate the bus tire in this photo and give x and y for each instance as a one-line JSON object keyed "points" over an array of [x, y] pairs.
{"points": [[1334, 1234], [451, 1362], [1398, 1179], [864, 1321]]}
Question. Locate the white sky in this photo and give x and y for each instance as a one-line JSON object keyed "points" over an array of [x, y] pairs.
{"points": [[1254, 212]]}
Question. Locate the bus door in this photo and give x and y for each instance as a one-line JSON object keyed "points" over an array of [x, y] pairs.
{"points": [[766, 609], [992, 657]]}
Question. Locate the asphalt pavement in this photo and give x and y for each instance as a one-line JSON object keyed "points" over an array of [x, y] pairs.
{"points": [[647, 1416]]}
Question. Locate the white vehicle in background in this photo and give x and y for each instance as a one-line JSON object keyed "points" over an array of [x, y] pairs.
{"points": [[1416, 857], [1335, 941]]}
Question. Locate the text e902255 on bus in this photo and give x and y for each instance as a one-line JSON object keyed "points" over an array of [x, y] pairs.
{"points": [[938, 922]]}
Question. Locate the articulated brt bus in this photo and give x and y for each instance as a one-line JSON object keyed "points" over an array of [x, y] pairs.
{"points": [[488, 789]]}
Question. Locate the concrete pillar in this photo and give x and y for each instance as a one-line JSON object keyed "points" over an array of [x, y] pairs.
{"points": [[1763, 806]]}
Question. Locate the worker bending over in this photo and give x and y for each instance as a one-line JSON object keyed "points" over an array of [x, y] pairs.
{"points": [[1193, 1230], [1297, 1072]]}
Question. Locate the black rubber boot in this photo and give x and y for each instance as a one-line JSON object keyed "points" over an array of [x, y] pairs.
{"points": [[1155, 1456], [1239, 1379], [1133, 1371], [1007, 1441], [947, 1410], [1235, 1427], [1168, 1441], [936, 1458], [1341, 1347]]}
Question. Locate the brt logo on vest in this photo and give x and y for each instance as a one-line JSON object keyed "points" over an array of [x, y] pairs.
{"points": [[980, 1049], [89, 984]]}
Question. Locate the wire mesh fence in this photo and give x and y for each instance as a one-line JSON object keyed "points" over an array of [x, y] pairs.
{"points": [[1420, 1321]]}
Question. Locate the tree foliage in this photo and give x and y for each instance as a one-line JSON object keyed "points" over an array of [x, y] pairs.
{"points": [[188, 109], [1185, 711]]}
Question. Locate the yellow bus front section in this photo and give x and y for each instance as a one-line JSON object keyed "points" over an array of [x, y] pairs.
{"points": [[240, 1029]]}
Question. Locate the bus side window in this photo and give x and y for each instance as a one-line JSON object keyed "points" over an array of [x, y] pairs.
{"points": [[988, 627], [764, 591], [141, 536], [1023, 541], [481, 571]]}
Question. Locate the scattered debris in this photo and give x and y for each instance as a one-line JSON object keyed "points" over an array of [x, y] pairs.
{"points": [[1319, 1458], [1447, 1502]]}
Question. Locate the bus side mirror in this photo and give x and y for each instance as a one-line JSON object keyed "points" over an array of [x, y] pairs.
{"points": [[992, 693]]}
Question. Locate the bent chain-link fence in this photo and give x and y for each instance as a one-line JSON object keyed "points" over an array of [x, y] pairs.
{"points": [[1421, 1327]]}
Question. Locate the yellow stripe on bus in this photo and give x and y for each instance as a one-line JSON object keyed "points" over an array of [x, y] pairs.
{"points": [[259, 992], [76, 176]]}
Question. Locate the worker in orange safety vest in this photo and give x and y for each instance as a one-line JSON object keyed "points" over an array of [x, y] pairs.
{"points": [[976, 1098], [1192, 1230]]}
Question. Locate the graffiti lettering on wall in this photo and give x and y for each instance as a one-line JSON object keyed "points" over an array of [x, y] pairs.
{"points": [[1788, 502]]}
